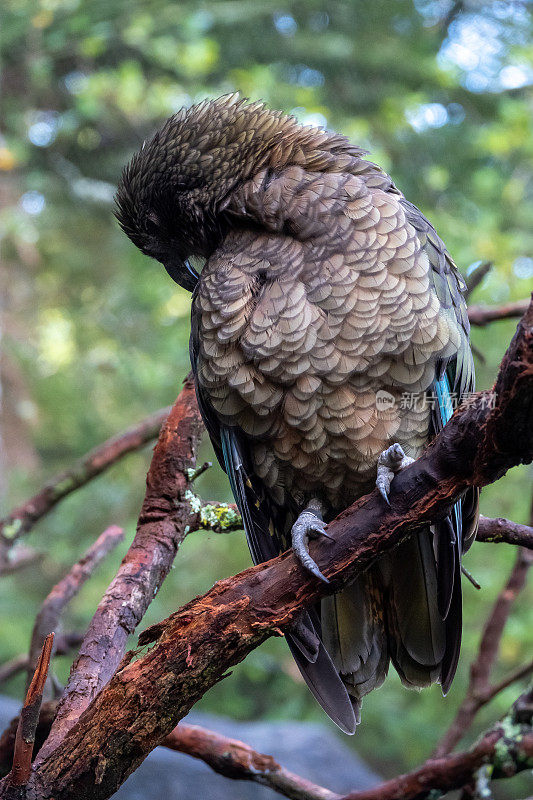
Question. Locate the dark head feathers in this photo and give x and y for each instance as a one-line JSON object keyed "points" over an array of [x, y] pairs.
{"points": [[171, 195]]}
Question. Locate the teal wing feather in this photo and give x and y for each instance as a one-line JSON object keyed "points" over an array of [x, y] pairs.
{"points": [[454, 379]]}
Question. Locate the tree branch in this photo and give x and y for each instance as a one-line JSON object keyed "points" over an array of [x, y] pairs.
{"points": [[12, 667], [501, 530], [228, 757], [214, 516], [482, 315], [508, 747], [29, 718], [195, 646], [23, 518], [19, 558], [237, 760], [62, 593], [515, 675], [63, 644], [225, 518], [492, 633], [509, 741], [162, 525], [480, 691]]}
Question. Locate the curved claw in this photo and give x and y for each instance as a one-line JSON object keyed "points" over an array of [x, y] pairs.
{"points": [[307, 526], [390, 461], [383, 485]]}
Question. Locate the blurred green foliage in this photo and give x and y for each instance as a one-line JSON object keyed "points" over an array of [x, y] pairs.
{"points": [[95, 335]]}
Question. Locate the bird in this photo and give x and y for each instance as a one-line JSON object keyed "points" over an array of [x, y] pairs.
{"points": [[329, 343]]}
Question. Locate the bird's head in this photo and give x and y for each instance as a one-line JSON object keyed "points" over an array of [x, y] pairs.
{"points": [[171, 195]]}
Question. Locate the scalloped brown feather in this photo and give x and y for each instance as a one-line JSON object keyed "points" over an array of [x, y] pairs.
{"points": [[323, 289]]}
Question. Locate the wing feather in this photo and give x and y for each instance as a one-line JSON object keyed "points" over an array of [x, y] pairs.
{"points": [[454, 379]]}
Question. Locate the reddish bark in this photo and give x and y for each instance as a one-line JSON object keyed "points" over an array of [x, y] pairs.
{"points": [[161, 528], [62, 593], [29, 719], [237, 760], [508, 756]]}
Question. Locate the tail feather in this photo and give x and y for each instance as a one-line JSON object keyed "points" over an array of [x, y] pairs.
{"points": [[326, 686], [454, 629], [353, 631], [412, 602], [305, 637], [445, 553], [470, 517], [391, 612]]}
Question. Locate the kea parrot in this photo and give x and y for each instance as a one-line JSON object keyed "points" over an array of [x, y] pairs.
{"points": [[329, 339]]}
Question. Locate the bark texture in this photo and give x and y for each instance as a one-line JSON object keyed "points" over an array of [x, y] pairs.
{"points": [[161, 528]]}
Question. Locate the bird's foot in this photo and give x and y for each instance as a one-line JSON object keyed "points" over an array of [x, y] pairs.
{"points": [[390, 461], [308, 526]]}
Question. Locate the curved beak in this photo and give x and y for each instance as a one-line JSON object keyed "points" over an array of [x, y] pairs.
{"points": [[182, 273]]}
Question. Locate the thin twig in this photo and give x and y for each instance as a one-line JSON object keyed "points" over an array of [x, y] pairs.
{"points": [[162, 526], [514, 676], [476, 277], [482, 315], [504, 530], [23, 518], [468, 575], [12, 667], [195, 473], [68, 587], [235, 759], [63, 644], [29, 718], [480, 691], [20, 558]]}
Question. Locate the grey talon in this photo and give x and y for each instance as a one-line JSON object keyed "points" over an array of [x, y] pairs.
{"points": [[390, 461], [383, 491], [308, 526]]}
